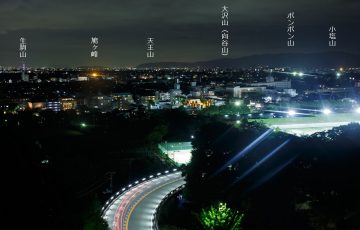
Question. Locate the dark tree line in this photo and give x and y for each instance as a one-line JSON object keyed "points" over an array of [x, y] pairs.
{"points": [[308, 183]]}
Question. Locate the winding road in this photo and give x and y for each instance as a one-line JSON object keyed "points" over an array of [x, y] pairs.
{"points": [[134, 209]]}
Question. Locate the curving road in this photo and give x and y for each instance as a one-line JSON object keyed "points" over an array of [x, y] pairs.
{"points": [[134, 209]]}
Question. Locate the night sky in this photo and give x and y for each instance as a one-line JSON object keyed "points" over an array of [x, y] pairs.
{"points": [[58, 32]]}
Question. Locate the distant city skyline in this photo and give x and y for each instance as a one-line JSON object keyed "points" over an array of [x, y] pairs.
{"points": [[58, 32]]}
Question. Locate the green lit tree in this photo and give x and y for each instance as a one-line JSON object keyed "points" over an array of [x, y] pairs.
{"points": [[221, 217]]}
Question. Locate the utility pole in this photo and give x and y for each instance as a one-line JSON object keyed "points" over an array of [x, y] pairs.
{"points": [[111, 174]]}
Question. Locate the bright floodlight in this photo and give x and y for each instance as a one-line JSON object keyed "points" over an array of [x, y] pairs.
{"points": [[338, 74], [237, 103], [326, 111], [301, 74], [294, 73], [291, 112], [83, 125], [358, 110]]}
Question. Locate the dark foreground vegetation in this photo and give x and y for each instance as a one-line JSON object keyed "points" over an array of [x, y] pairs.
{"points": [[282, 182], [59, 168]]}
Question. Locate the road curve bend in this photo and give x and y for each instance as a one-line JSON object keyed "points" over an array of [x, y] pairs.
{"points": [[135, 208]]}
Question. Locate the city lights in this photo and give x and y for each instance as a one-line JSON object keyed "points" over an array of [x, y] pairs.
{"points": [[108, 134]]}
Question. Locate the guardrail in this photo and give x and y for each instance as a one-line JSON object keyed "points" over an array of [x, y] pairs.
{"points": [[167, 197], [110, 201]]}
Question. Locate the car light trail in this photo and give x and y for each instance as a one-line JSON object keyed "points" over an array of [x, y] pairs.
{"points": [[135, 208]]}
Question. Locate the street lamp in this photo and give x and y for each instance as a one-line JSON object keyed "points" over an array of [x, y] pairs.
{"points": [[291, 112], [326, 111]]}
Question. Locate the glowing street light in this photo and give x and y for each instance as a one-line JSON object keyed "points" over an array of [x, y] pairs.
{"points": [[291, 112], [237, 103], [358, 110], [326, 111], [83, 125], [338, 74], [301, 74]]}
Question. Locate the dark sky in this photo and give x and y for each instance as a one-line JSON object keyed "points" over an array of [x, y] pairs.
{"points": [[58, 32]]}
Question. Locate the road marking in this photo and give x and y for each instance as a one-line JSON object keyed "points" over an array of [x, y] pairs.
{"points": [[143, 197]]}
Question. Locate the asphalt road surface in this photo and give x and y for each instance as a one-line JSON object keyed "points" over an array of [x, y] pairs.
{"points": [[134, 209]]}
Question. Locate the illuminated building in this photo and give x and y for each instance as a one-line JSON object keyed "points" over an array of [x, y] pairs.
{"points": [[81, 78], [122, 101], [274, 84], [238, 91], [68, 103], [36, 105], [198, 103], [53, 105], [179, 152], [147, 100], [103, 103], [161, 96]]}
